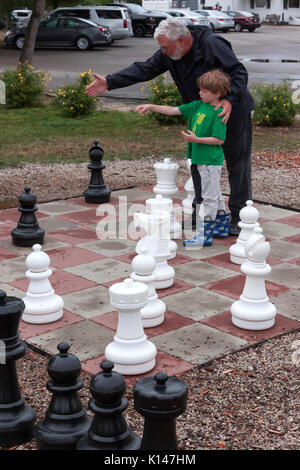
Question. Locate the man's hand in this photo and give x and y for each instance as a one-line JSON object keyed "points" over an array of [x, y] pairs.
{"points": [[227, 107], [190, 137], [97, 87], [143, 108]]}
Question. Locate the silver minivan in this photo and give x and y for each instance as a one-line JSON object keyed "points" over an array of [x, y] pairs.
{"points": [[116, 18]]}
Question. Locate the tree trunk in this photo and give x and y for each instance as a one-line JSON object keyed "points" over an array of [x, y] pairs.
{"points": [[31, 31]]}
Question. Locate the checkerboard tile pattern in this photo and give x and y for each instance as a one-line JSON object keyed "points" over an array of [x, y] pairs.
{"points": [[197, 326]]}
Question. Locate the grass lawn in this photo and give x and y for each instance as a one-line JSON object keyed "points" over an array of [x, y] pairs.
{"points": [[42, 135]]}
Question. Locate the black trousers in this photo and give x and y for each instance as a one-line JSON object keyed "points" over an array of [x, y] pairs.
{"points": [[237, 153]]}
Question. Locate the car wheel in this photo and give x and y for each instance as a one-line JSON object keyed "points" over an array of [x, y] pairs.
{"points": [[19, 42], [139, 30], [251, 30], [238, 28], [83, 43]]}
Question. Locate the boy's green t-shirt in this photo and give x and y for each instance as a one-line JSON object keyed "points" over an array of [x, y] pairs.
{"points": [[203, 121]]}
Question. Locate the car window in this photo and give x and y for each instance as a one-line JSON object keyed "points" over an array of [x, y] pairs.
{"points": [[49, 24], [203, 13], [109, 14], [68, 23], [82, 13]]}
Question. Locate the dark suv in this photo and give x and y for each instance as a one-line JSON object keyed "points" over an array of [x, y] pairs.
{"points": [[143, 21]]}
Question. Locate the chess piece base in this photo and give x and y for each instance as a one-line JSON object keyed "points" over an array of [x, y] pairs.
{"points": [[253, 314], [16, 423], [131, 357], [64, 439], [39, 319], [93, 442], [27, 239], [96, 196]]}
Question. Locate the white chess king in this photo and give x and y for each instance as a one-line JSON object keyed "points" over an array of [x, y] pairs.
{"points": [[130, 351], [254, 311], [41, 302]]}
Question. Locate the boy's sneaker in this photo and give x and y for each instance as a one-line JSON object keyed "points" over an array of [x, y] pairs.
{"points": [[221, 229], [204, 235]]}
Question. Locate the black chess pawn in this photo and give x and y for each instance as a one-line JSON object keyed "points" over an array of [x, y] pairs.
{"points": [[160, 399], [108, 430], [28, 232], [65, 421], [97, 192], [16, 418]]}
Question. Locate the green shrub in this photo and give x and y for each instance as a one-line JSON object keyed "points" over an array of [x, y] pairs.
{"points": [[274, 105], [24, 86], [72, 101], [164, 94]]}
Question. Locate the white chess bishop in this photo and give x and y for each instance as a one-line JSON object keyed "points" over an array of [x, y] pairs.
{"points": [[143, 267], [130, 351], [154, 205], [254, 311], [41, 302], [157, 226], [166, 174], [249, 216], [187, 203]]}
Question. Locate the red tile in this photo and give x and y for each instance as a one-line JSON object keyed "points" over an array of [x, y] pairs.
{"points": [[295, 261], [5, 232], [178, 286], [148, 188], [234, 286], [225, 241], [223, 322], [224, 261], [61, 281], [74, 236], [171, 322], [6, 254], [28, 330], [293, 239], [164, 363], [71, 256], [127, 258], [291, 220], [89, 216], [180, 259], [12, 216]]}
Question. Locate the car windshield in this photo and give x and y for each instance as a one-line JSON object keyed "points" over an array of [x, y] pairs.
{"points": [[246, 13], [136, 8], [219, 14]]}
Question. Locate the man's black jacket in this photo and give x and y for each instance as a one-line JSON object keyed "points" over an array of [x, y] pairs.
{"points": [[209, 51]]}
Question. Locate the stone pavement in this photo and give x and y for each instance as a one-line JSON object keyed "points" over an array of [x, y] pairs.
{"points": [[197, 326]]}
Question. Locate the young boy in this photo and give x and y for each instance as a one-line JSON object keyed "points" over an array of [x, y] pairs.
{"points": [[205, 137]]}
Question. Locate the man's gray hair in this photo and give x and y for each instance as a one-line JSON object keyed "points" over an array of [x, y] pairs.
{"points": [[172, 29]]}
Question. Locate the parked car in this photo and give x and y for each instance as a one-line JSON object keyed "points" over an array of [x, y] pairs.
{"points": [[244, 20], [143, 21], [20, 17], [63, 32], [218, 20], [189, 17], [114, 17]]}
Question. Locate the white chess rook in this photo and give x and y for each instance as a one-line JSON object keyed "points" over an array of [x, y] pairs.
{"points": [[249, 216], [158, 204], [157, 226], [130, 351], [143, 267], [166, 173], [41, 302], [254, 311]]}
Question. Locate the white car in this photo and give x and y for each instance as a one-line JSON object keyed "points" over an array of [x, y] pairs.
{"points": [[189, 17], [217, 19]]}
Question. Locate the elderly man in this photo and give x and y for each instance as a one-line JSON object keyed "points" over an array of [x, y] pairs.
{"points": [[187, 53]]}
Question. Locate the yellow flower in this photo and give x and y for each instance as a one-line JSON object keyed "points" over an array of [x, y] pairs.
{"points": [[275, 98], [142, 88], [267, 116], [71, 107]]}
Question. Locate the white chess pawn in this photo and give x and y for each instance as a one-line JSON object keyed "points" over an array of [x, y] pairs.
{"points": [[166, 173], [187, 203], [254, 311], [249, 216], [41, 302], [143, 267], [157, 227], [130, 351], [158, 204]]}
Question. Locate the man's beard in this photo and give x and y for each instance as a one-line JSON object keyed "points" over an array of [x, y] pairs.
{"points": [[177, 53]]}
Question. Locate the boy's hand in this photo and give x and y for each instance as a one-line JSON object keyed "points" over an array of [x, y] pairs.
{"points": [[227, 107], [190, 137], [143, 108]]}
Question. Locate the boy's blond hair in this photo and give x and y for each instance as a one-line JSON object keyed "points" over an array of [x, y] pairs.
{"points": [[215, 81]]}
